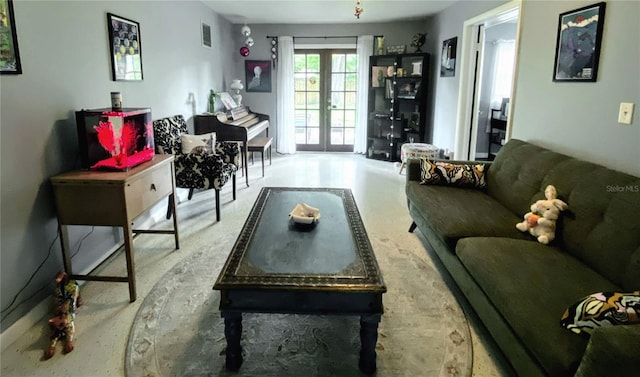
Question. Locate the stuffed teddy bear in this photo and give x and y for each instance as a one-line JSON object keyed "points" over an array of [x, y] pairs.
{"points": [[541, 221]]}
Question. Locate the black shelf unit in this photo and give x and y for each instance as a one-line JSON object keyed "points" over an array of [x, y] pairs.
{"points": [[498, 132], [397, 103]]}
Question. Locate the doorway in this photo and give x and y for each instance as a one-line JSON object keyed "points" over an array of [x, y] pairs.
{"points": [[488, 64], [325, 99]]}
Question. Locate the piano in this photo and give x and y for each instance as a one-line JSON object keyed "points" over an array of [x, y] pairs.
{"points": [[239, 124]]}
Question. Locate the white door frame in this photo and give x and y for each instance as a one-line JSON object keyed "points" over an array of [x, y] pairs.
{"points": [[467, 72]]}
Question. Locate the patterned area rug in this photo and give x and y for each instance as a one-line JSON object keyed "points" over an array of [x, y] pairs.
{"points": [[178, 330]]}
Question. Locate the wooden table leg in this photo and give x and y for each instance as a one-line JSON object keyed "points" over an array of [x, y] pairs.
{"points": [[233, 332], [172, 203], [368, 340], [66, 251], [128, 250]]}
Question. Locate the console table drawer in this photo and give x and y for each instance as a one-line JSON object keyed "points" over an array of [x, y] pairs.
{"points": [[147, 190]]}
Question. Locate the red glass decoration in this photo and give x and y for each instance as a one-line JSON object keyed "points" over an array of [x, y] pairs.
{"points": [[244, 51]]}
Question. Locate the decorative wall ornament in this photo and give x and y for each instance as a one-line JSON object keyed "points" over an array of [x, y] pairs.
{"points": [[206, 34], [274, 51], [448, 58], [578, 44], [359, 9], [126, 49], [9, 56], [258, 76]]}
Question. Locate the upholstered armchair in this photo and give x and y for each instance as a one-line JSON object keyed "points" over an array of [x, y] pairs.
{"points": [[201, 168]]}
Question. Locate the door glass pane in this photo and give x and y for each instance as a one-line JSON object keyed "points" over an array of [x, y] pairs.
{"points": [[337, 63], [337, 81], [350, 118], [350, 100], [313, 135], [337, 100], [351, 81], [313, 100], [307, 97], [337, 136], [349, 136]]}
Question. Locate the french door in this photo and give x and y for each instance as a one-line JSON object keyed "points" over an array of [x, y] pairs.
{"points": [[325, 99]]}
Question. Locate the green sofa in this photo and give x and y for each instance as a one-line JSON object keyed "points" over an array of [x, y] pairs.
{"points": [[520, 288]]}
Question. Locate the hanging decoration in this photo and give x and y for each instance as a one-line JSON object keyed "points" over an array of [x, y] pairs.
{"points": [[248, 42], [274, 51], [359, 9]]}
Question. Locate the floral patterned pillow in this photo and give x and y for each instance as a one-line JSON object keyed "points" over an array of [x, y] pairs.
{"points": [[445, 173]]}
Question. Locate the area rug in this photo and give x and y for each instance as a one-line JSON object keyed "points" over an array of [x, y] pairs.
{"points": [[178, 330]]}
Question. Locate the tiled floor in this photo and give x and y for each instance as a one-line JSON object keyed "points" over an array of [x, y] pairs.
{"points": [[104, 321]]}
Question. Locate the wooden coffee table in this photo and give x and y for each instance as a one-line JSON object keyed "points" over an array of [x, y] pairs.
{"points": [[278, 267]]}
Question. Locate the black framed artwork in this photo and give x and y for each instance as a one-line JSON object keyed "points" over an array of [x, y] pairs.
{"points": [[9, 54], [258, 76], [126, 48], [206, 34], [578, 44], [448, 58]]}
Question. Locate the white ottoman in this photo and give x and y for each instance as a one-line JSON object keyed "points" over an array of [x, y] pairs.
{"points": [[416, 151]]}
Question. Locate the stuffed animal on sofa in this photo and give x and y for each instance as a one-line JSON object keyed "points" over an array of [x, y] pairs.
{"points": [[541, 221]]}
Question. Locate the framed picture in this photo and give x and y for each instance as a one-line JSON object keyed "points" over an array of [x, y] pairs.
{"points": [[448, 58], [126, 49], [258, 75], [206, 35], [377, 76], [9, 55], [578, 44]]}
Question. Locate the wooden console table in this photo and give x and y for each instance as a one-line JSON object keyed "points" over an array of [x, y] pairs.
{"points": [[104, 198]]}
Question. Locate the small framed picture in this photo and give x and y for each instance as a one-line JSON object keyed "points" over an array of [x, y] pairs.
{"points": [[578, 44], [258, 75], [126, 49], [206, 35], [448, 58], [9, 55]]}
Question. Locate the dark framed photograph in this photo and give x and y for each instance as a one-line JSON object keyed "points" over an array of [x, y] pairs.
{"points": [[126, 48], [448, 58], [9, 54], [206, 35], [578, 44], [258, 75]]}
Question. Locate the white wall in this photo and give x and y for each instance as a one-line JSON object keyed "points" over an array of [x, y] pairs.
{"points": [[580, 119], [66, 67]]}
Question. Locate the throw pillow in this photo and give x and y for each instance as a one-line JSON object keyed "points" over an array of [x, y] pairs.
{"points": [[445, 173], [602, 309], [198, 143]]}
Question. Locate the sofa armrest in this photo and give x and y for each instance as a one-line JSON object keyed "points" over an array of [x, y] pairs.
{"points": [[413, 166], [611, 351]]}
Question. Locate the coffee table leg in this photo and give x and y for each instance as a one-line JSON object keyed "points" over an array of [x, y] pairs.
{"points": [[368, 340], [233, 332]]}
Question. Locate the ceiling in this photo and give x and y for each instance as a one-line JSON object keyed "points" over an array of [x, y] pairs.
{"points": [[324, 11]]}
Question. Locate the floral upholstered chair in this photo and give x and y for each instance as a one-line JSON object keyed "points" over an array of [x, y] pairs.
{"points": [[200, 161]]}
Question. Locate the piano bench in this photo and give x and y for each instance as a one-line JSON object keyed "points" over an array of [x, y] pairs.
{"points": [[260, 144]]}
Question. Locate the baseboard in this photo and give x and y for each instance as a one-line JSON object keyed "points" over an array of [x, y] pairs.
{"points": [[43, 309]]}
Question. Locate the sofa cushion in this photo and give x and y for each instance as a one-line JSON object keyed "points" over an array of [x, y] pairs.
{"points": [[531, 285], [454, 212]]}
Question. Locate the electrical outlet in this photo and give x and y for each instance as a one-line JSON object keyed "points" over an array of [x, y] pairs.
{"points": [[626, 113]]}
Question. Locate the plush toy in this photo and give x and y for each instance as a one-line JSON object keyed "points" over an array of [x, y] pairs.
{"points": [[66, 296], [541, 221], [62, 328]]}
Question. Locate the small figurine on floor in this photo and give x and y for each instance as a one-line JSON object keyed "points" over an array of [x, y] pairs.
{"points": [[66, 299]]}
